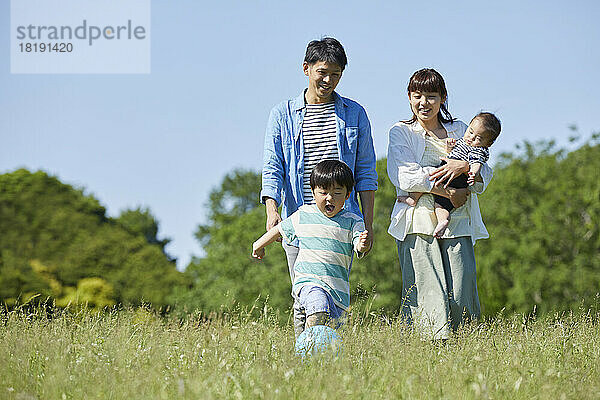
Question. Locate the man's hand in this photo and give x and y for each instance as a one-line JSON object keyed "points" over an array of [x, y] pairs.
{"points": [[367, 201], [272, 220], [449, 171], [273, 217]]}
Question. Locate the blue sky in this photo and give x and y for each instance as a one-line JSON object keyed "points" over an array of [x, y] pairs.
{"points": [[165, 139]]}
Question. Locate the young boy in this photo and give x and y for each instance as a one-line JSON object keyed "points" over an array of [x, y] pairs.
{"points": [[327, 235], [473, 147]]}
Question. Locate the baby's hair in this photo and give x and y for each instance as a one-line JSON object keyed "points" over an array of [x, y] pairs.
{"points": [[329, 172], [491, 125]]}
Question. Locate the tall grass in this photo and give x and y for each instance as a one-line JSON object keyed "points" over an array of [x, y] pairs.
{"points": [[137, 354]]}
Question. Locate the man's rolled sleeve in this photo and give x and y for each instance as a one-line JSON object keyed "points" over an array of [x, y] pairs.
{"points": [[365, 168], [273, 168]]}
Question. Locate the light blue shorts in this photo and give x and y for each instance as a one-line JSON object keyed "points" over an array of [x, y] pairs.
{"points": [[314, 299]]}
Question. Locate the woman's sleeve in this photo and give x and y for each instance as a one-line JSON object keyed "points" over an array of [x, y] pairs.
{"points": [[402, 166]]}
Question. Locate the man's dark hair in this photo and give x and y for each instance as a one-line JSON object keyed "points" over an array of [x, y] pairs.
{"points": [[327, 49], [329, 172]]}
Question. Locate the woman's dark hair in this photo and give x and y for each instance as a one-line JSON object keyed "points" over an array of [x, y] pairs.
{"points": [[327, 49], [329, 172], [491, 125], [429, 80]]}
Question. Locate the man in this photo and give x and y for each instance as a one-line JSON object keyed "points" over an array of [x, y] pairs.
{"points": [[317, 125]]}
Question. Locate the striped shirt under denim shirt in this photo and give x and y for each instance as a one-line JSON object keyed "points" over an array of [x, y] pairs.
{"points": [[320, 140], [462, 151], [325, 250]]}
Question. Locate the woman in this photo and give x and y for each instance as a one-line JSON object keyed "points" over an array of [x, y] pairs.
{"points": [[438, 275]]}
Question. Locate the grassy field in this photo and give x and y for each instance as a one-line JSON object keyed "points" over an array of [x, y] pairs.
{"points": [[134, 354]]}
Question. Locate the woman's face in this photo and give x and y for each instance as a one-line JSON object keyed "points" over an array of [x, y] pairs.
{"points": [[425, 105]]}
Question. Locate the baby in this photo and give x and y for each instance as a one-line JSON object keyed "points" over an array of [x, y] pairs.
{"points": [[473, 147]]}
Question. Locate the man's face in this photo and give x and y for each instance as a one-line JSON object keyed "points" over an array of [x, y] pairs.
{"points": [[323, 77], [330, 201]]}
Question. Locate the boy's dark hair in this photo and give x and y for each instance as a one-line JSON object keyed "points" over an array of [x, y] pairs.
{"points": [[491, 125], [329, 172], [327, 49]]}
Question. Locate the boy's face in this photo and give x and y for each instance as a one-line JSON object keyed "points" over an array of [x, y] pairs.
{"points": [[323, 77], [330, 201], [476, 135]]}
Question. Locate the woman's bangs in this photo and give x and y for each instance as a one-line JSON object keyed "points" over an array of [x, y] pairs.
{"points": [[426, 82]]}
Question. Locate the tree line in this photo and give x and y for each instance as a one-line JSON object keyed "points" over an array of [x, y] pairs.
{"points": [[542, 211]]}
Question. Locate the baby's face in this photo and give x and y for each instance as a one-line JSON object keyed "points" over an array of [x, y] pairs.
{"points": [[475, 135]]}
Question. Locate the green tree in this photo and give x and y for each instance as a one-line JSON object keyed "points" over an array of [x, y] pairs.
{"points": [[541, 209], [140, 221], [95, 293], [47, 223], [543, 213], [377, 276], [227, 273]]}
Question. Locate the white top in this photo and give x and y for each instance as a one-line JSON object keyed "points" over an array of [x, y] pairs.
{"points": [[423, 216], [405, 152]]}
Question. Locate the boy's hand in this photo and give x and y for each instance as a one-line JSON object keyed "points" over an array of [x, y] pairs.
{"points": [[363, 243], [257, 252], [471, 178]]}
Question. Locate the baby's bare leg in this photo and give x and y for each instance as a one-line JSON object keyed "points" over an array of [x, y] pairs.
{"points": [[319, 318], [443, 218], [411, 199]]}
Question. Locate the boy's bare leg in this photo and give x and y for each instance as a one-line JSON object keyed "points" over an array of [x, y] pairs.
{"points": [[319, 318], [443, 218], [411, 199]]}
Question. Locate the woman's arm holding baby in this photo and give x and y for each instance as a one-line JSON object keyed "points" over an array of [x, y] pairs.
{"points": [[258, 247], [448, 171]]}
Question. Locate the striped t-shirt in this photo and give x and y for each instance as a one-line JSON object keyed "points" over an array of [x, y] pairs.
{"points": [[462, 151], [320, 140], [325, 250]]}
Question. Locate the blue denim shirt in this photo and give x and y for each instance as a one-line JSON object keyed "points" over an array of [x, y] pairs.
{"points": [[283, 164]]}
